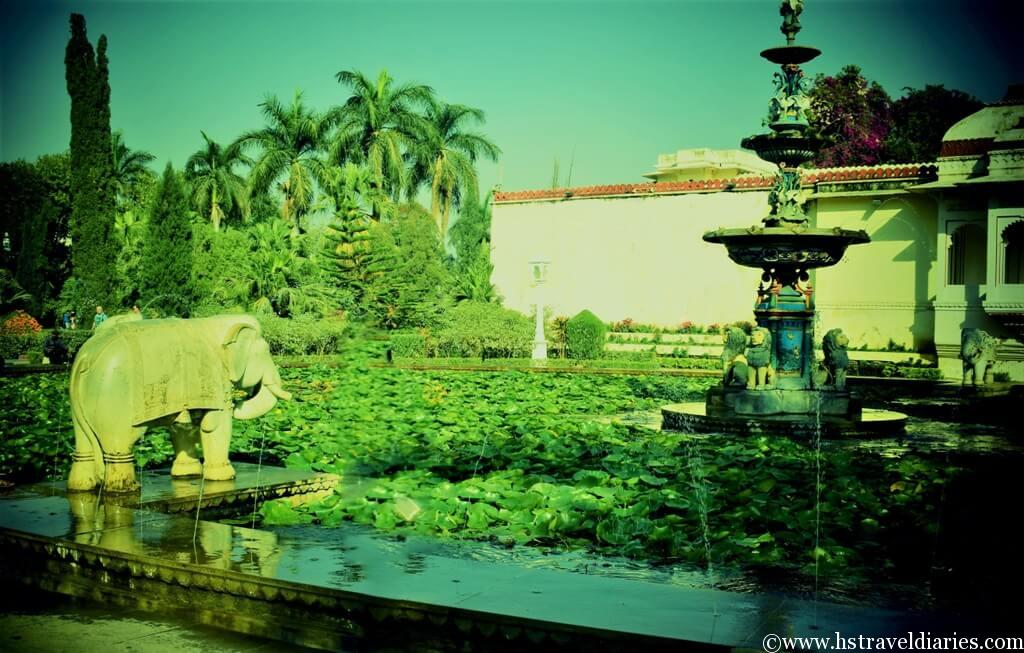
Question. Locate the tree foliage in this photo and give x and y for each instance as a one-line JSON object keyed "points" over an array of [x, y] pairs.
{"points": [[853, 114], [349, 256], [921, 118], [92, 166], [166, 275], [415, 288], [130, 171], [377, 125], [217, 190], [281, 274], [287, 158], [28, 219], [445, 157], [470, 238]]}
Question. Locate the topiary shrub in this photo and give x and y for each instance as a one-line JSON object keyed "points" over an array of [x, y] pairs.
{"points": [[584, 336], [477, 329], [408, 345]]}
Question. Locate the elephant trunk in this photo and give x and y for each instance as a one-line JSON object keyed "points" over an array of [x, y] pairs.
{"points": [[279, 392], [257, 406], [272, 381]]}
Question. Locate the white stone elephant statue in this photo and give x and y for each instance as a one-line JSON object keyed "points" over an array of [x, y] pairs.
{"points": [[978, 353], [176, 373]]}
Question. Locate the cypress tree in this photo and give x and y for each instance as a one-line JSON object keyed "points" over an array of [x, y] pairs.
{"points": [[94, 250], [167, 254]]}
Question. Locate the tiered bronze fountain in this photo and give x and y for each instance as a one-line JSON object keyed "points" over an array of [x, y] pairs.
{"points": [[773, 379]]}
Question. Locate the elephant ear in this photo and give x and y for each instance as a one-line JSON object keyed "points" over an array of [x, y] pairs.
{"points": [[236, 345]]}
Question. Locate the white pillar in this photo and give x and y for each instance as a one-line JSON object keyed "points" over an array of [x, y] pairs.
{"points": [[540, 345]]}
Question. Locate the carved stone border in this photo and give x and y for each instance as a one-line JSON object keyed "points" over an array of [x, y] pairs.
{"points": [[313, 616]]}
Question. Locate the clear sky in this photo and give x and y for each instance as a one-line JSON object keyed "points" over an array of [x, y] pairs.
{"points": [[608, 84]]}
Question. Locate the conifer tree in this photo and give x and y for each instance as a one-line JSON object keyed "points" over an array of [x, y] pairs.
{"points": [[349, 256], [167, 255], [94, 250]]}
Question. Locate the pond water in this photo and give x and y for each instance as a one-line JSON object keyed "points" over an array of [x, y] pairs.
{"points": [[957, 557]]}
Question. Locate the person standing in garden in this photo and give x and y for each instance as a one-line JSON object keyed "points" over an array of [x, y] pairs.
{"points": [[100, 318], [74, 320]]}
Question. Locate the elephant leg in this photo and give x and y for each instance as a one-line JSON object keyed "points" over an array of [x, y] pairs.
{"points": [[978, 374], [185, 438], [762, 376], [751, 378], [86, 469], [215, 430], [119, 464]]}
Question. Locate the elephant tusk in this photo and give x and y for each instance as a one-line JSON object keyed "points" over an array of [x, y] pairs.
{"points": [[257, 406]]}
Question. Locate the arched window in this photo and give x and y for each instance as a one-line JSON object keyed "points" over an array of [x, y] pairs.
{"points": [[967, 256], [1013, 253]]}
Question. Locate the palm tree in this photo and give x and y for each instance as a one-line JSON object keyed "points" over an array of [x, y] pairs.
{"points": [[216, 188], [288, 155], [377, 125], [445, 156], [129, 166]]}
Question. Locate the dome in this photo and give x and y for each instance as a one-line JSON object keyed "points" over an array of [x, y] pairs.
{"points": [[988, 123], [992, 122]]}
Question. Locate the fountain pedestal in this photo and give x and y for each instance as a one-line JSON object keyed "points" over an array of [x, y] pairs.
{"points": [[799, 396]]}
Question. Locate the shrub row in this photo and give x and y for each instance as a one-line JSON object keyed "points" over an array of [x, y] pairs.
{"points": [[304, 335], [471, 330], [13, 346], [299, 336]]}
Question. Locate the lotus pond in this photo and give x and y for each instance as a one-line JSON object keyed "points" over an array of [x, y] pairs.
{"points": [[530, 464]]}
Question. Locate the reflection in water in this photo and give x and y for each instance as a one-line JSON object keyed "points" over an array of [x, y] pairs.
{"points": [[105, 521]]}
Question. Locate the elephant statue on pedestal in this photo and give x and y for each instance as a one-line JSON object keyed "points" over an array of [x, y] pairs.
{"points": [[978, 352], [176, 373]]}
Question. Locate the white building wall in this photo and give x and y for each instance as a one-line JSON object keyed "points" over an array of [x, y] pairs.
{"points": [[882, 290], [636, 257]]}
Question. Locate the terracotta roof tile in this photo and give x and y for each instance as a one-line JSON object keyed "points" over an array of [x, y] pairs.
{"points": [[899, 171]]}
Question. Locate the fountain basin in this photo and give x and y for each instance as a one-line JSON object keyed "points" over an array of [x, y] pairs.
{"points": [[694, 417], [788, 146], [790, 54], [783, 247], [777, 401]]}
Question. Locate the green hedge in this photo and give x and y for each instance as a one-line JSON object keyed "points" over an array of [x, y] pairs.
{"points": [[12, 346], [304, 335], [898, 370], [585, 336], [408, 345], [478, 330]]}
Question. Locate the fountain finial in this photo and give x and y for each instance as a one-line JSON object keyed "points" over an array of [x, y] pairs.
{"points": [[790, 11]]}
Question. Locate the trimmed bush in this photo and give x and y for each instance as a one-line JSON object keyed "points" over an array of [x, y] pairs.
{"points": [[584, 336], [408, 345], [477, 329], [304, 335], [74, 339]]}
